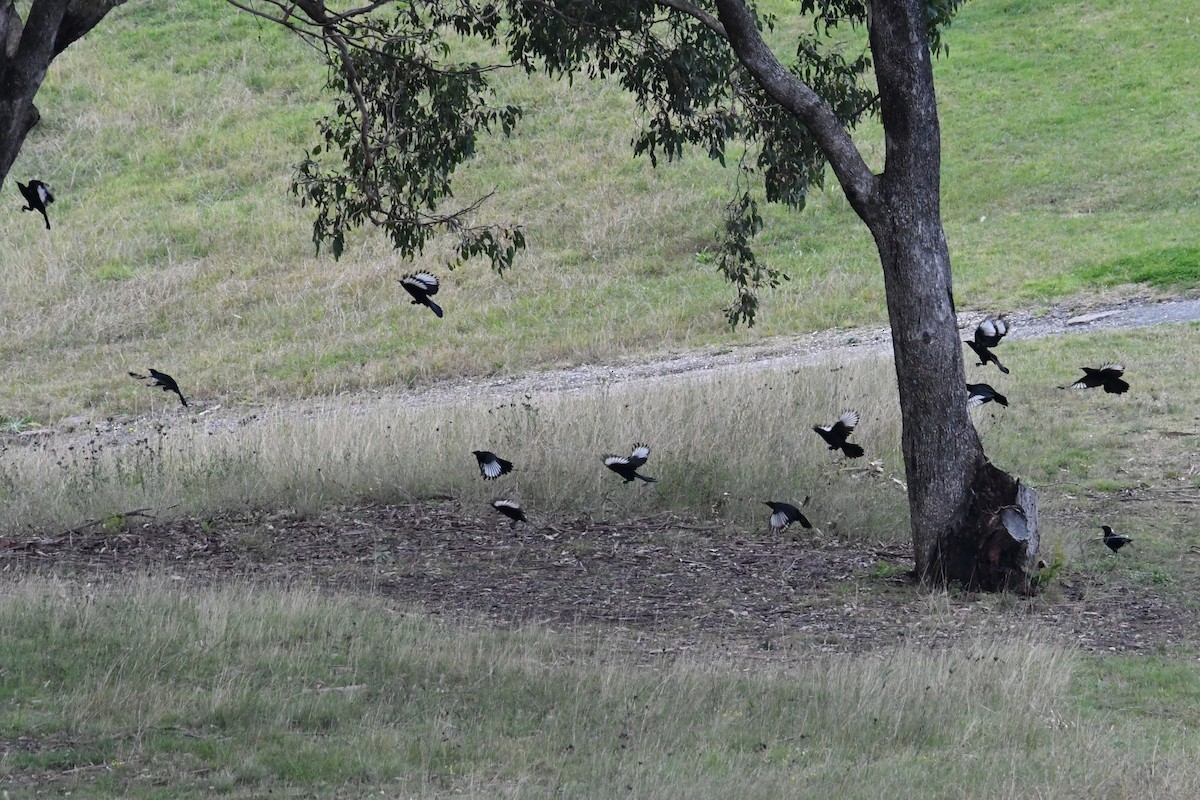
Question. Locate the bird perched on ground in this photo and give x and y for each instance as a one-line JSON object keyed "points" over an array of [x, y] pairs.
{"points": [[37, 195], [1108, 376], [980, 393], [510, 509], [784, 514], [162, 380], [422, 286], [627, 466], [1115, 541], [835, 435], [988, 334], [491, 466]]}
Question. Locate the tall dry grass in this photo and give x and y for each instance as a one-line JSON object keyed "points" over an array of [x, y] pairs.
{"points": [[720, 444]]}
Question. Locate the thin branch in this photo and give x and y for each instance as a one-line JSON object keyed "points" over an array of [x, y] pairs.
{"points": [[316, 12], [711, 22], [800, 99]]}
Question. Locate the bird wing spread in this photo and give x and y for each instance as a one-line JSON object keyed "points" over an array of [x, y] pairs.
{"points": [[427, 282]]}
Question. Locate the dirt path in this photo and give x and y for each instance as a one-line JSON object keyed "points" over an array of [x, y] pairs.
{"points": [[841, 344]]}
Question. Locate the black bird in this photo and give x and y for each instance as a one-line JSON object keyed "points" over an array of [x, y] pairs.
{"points": [[835, 435], [980, 393], [510, 509], [491, 466], [37, 195], [1108, 376], [163, 380], [784, 514], [988, 334], [627, 466], [422, 286], [1115, 541]]}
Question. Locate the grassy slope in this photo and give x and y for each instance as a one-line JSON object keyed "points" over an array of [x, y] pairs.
{"points": [[169, 140], [175, 244]]}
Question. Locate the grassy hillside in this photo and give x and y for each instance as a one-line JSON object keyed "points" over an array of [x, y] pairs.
{"points": [[169, 137]]}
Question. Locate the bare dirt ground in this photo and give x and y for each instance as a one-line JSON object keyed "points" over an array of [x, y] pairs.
{"points": [[670, 583]]}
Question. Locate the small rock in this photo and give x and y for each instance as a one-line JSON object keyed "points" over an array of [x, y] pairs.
{"points": [[1084, 319]]}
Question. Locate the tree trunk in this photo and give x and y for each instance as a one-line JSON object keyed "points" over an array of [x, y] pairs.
{"points": [[29, 47], [954, 494], [971, 522]]}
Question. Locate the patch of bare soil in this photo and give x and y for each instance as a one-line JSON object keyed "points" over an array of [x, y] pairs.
{"points": [[670, 582]]}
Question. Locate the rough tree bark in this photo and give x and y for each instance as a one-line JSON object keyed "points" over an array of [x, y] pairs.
{"points": [[955, 496], [30, 45]]}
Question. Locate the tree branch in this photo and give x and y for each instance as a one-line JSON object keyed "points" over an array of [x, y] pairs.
{"points": [[81, 17], [700, 14], [857, 180], [315, 10]]}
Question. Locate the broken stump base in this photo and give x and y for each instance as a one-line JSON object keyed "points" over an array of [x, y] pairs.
{"points": [[996, 548]]}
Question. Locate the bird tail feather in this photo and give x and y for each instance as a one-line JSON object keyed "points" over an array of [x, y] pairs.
{"points": [[437, 310], [852, 450]]}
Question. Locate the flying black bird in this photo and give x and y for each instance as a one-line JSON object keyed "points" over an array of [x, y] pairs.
{"points": [[784, 514], [163, 380], [491, 466], [1108, 376], [980, 393], [37, 195], [627, 466], [835, 435], [1115, 541], [422, 286], [988, 334], [510, 509]]}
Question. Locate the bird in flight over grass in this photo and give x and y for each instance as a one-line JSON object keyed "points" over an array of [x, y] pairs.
{"points": [[627, 466], [784, 514], [37, 195], [422, 286], [511, 509], [835, 435], [988, 334], [491, 466], [980, 393], [163, 380], [1108, 376], [1115, 541]]}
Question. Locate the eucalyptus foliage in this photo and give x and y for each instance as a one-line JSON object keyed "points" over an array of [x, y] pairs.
{"points": [[408, 113]]}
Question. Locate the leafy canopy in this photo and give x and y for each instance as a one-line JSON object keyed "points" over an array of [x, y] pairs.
{"points": [[407, 113]]}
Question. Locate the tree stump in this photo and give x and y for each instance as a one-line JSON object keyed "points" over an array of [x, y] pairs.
{"points": [[996, 548]]}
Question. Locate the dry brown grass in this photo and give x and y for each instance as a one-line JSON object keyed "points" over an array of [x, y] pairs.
{"points": [[720, 444]]}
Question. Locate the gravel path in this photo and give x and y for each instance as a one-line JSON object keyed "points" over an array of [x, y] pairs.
{"points": [[789, 352]]}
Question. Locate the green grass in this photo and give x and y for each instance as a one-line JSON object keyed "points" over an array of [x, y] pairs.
{"points": [[156, 691], [1172, 268], [169, 137]]}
